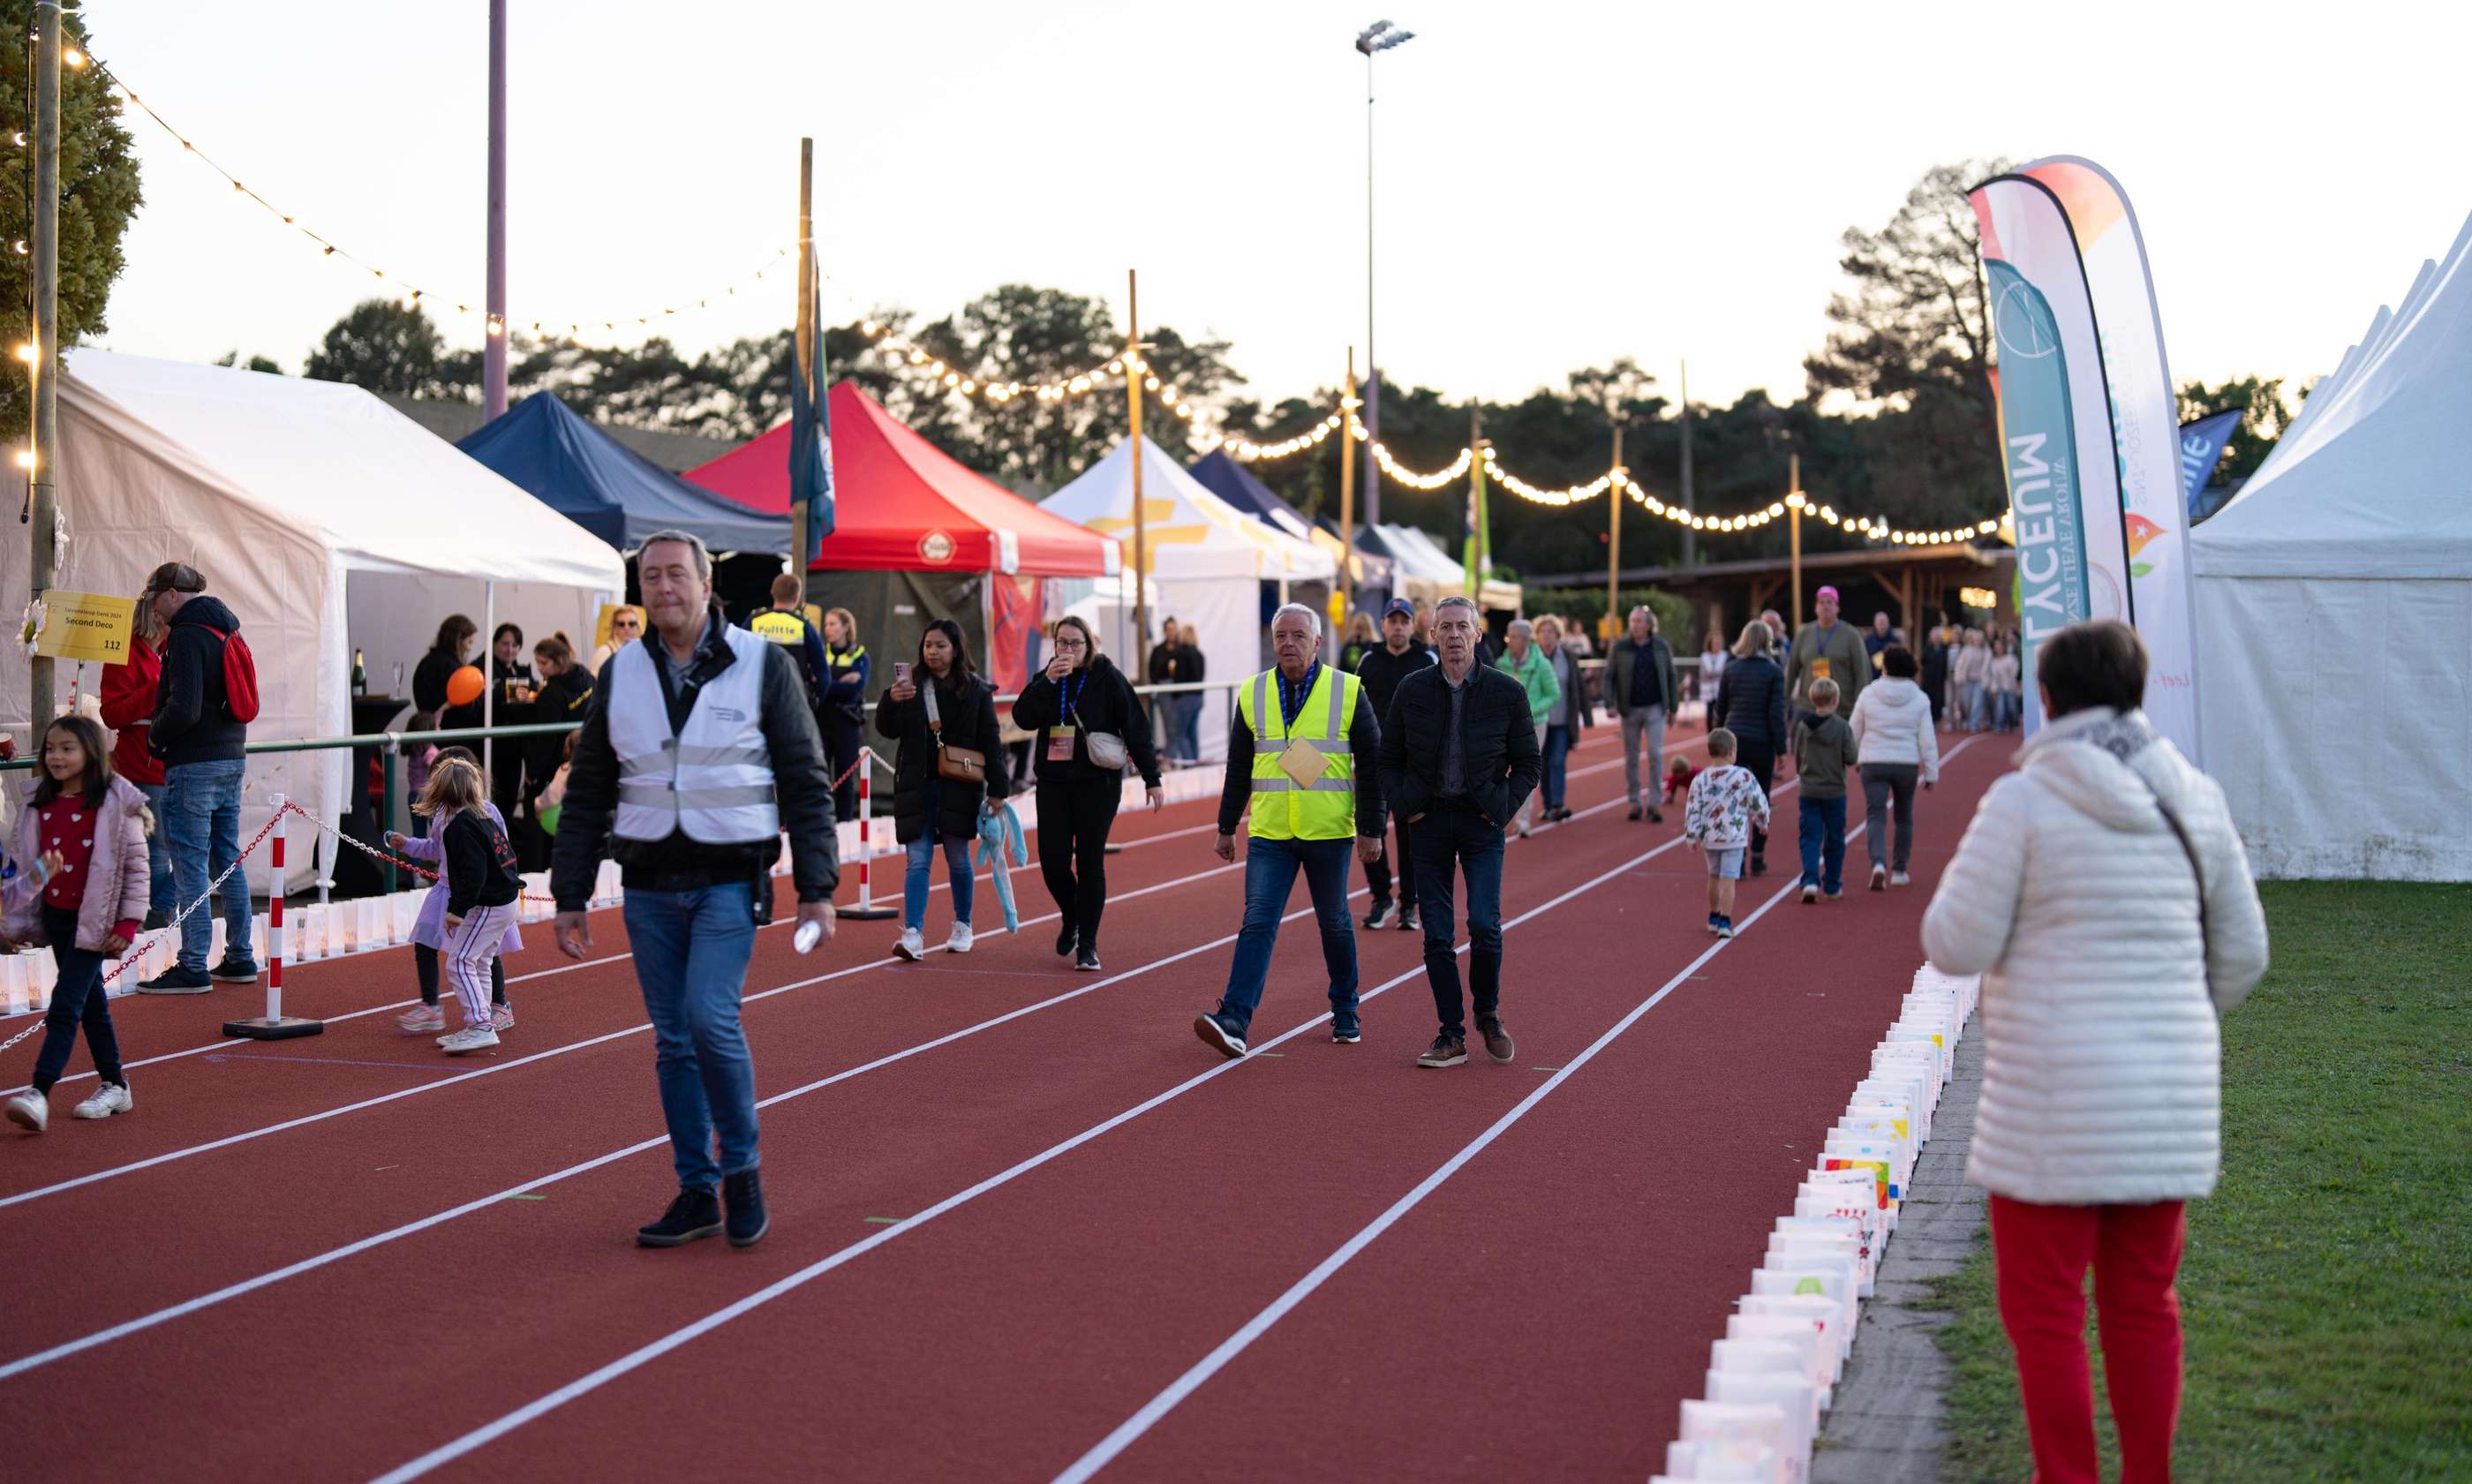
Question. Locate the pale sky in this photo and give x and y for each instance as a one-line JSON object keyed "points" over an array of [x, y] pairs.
{"points": [[1558, 183]]}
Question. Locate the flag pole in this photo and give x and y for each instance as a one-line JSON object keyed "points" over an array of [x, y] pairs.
{"points": [[1134, 370], [804, 340]]}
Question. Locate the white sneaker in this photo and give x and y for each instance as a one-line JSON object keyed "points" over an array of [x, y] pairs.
{"points": [[1879, 877], [420, 1018], [1810, 894], [907, 947], [1900, 879], [471, 1038], [30, 1110], [502, 1017], [960, 941], [109, 1098]]}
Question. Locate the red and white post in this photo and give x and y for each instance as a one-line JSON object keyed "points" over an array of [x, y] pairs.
{"points": [[867, 911], [274, 1025]]}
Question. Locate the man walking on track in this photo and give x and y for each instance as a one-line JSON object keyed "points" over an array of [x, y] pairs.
{"points": [[1827, 650], [1382, 670], [1458, 758], [699, 748], [1639, 683], [204, 704], [1311, 739]]}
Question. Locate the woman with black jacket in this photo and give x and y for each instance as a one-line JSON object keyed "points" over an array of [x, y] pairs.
{"points": [[1080, 691], [1750, 703], [447, 655], [927, 808]]}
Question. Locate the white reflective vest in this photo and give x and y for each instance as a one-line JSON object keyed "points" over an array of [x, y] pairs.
{"points": [[714, 779]]}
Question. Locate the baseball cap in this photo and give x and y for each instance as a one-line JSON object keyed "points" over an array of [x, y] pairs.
{"points": [[1828, 593], [1400, 606]]}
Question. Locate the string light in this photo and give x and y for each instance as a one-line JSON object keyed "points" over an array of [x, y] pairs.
{"points": [[904, 352]]}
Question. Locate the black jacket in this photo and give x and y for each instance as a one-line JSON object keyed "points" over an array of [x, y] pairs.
{"points": [[801, 785], [968, 711], [480, 864], [192, 720], [1364, 744], [564, 697], [428, 693], [1105, 702], [1497, 739], [1382, 671], [1751, 702]]}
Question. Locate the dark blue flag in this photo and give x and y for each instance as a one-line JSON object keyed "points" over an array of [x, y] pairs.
{"points": [[2201, 448], [811, 438]]}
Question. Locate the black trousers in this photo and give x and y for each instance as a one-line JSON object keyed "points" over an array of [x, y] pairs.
{"points": [[425, 967], [1377, 876], [1074, 818], [841, 738], [1760, 760]]}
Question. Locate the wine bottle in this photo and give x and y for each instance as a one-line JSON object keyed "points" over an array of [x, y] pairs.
{"points": [[360, 675]]}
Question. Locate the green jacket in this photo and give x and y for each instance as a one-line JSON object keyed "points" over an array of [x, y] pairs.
{"points": [[1850, 665], [1823, 754], [1537, 676]]}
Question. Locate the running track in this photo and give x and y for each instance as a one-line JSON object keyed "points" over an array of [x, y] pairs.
{"points": [[1025, 1226]]}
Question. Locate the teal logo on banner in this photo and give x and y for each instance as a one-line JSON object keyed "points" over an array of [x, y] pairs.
{"points": [[2038, 455]]}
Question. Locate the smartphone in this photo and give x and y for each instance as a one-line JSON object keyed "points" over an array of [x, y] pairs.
{"points": [[901, 672]]}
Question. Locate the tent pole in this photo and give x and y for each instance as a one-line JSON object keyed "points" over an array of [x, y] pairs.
{"points": [[1134, 371], [488, 675]]}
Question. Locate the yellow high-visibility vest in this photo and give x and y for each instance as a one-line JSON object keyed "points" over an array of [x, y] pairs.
{"points": [[1323, 808], [779, 626]]}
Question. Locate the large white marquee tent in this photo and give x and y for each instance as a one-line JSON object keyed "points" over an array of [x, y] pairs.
{"points": [[325, 519], [2333, 599], [1207, 563]]}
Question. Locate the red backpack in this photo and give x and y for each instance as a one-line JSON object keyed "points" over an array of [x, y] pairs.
{"points": [[239, 679]]}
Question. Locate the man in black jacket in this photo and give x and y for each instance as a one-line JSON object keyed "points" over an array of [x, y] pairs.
{"points": [[1382, 670], [1459, 756], [200, 740], [1639, 683], [697, 749]]}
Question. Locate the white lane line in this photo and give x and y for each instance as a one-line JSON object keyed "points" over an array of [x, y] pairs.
{"points": [[636, 1359], [1158, 1407], [305, 1120]]}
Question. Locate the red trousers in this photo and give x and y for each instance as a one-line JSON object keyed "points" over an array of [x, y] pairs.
{"points": [[2042, 1254]]}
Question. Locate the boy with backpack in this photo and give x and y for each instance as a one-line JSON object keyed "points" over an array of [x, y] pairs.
{"points": [[204, 704]]}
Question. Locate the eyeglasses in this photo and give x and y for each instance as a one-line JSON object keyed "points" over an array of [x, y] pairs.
{"points": [[1070, 646]]}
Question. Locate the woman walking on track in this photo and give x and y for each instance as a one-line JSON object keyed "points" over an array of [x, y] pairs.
{"points": [[1893, 732], [80, 885], [2105, 970], [949, 769], [481, 888], [1089, 725], [1750, 703]]}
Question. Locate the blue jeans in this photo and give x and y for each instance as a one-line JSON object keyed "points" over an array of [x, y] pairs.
{"points": [[1823, 844], [1446, 842], [1557, 760], [691, 951], [201, 824], [922, 861], [158, 857], [1183, 725], [1271, 869], [2006, 711]]}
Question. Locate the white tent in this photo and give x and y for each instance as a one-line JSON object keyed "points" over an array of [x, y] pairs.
{"points": [[325, 519], [2333, 599], [1207, 558], [1433, 574]]}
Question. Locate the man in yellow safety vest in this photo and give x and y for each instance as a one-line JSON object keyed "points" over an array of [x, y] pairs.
{"points": [[1301, 753]]}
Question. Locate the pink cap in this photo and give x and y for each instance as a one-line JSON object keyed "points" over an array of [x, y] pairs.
{"points": [[1828, 593]]}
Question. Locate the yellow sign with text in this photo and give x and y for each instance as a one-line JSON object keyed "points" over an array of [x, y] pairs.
{"points": [[87, 626]]}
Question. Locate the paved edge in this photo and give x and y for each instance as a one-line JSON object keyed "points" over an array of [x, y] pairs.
{"points": [[1884, 1426]]}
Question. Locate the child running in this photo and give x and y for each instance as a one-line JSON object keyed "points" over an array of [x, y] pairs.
{"points": [[88, 830], [1726, 802], [481, 888], [429, 932]]}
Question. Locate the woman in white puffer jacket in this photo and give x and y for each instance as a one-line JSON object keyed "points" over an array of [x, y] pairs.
{"points": [[1894, 736], [2107, 947]]}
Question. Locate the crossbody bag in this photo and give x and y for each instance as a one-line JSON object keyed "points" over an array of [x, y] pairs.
{"points": [[2188, 848], [962, 765]]}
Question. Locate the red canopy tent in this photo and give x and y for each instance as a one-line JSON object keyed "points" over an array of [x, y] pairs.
{"points": [[900, 504], [917, 537]]}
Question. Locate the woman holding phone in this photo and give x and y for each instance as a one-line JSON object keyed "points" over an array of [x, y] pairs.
{"points": [[1089, 725], [947, 771]]}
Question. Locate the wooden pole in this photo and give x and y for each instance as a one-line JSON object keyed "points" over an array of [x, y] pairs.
{"points": [[1134, 370], [1347, 488], [1613, 546], [804, 340], [1794, 520], [45, 444], [1690, 537]]}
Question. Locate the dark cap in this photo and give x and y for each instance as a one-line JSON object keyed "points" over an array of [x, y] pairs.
{"points": [[1400, 606], [176, 578]]}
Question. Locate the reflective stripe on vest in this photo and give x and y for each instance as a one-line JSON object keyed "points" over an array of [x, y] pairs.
{"points": [[713, 780], [1320, 809]]}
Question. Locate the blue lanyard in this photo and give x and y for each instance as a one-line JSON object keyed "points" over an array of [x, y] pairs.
{"points": [[1072, 693], [1291, 706]]}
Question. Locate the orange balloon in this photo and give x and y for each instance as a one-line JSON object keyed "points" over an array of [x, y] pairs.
{"points": [[464, 687]]}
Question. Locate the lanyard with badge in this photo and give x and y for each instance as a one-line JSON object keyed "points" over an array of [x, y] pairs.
{"points": [[1059, 739], [1300, 761]]}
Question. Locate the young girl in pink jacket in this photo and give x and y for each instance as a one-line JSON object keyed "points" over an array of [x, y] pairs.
{"points": [[81, 888]]}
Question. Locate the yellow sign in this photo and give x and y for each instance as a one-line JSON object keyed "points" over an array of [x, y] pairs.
{"points": [[87, 626]]}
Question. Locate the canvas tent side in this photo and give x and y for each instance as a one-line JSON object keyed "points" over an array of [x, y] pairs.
{"points": [[1230, 481], [326, 520], [2334, 593]]}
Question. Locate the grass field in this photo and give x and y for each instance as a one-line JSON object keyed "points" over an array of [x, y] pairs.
{"points": [[2327, 1288]]}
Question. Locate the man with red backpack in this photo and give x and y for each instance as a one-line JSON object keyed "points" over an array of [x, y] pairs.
{"points": [[205, 702]]}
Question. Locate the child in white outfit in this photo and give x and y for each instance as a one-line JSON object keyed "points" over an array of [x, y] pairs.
{"points": [[1726, 802]]}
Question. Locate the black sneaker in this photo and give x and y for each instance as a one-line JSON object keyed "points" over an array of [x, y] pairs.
{"points": [[1634, 813], [1379, 918], [1759, 868], [177, 980], [1656, 815], [749, 1221], [1215, 1035], [235, 971], [694, 1214], [1407, 921], [1086, 960], [1065, 937], [1346, 1028]]}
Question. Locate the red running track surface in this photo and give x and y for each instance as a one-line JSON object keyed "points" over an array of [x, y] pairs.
{"points": [[1538, 1316]]}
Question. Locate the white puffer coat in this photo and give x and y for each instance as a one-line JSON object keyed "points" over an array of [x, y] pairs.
{"points": [[2074, 899], [1892, 724]]}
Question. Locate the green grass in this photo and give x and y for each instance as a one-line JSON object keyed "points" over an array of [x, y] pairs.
{"points": [[2326, 1293]]}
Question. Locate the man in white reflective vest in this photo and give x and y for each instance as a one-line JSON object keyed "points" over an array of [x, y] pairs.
{"points": [[697, 751], [1301, 753]]}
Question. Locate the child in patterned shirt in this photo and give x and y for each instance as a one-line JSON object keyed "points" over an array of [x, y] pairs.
{"points": [[1725, 800]]}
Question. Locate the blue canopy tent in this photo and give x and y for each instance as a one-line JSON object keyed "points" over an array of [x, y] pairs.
{"points": [[1223, 476], [609, 489]]}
